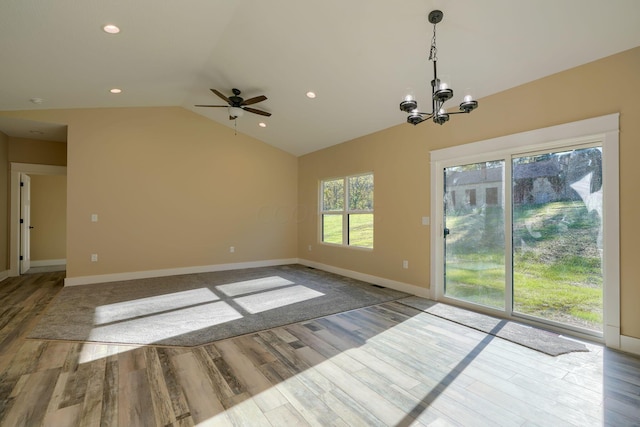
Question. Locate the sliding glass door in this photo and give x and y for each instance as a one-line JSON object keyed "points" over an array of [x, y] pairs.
{"points": [[557, 236], [528, 239], [474, 233]]}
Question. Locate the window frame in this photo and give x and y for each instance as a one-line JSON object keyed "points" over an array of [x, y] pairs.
{"points": [[345, 212]]}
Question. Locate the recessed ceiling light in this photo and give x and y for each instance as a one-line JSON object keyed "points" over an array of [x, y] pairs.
{"points": [[115, 90], [111, 29], [311, 95], [262, 124]]}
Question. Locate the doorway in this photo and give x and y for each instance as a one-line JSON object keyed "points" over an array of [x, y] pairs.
{"points": [[20, 241], [529, 230]]}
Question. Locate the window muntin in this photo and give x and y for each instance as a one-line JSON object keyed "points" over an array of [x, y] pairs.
{"points": [[353, 225]]}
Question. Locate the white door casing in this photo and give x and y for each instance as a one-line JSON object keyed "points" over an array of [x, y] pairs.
{"points": [[25, 223]]}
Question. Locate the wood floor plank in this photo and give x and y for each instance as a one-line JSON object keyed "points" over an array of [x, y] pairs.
{"points": [[220, 386], [65, 417], [370, 399], [109, 409], [30, 405], [134, 396], [162, 407], [244, 412], [175, 394], [91, 409], [305, 402], [285, 415], [250, 376], [204, 405]]}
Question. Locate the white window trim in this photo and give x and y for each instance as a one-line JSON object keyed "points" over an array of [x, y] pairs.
{"points": [[604, 129], [345, 212]]}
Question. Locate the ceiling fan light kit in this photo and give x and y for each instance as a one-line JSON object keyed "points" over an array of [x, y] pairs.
{"points": [[440, 91]]}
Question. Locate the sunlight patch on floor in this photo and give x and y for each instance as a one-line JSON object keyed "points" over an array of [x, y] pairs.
{"points": [[180, 321], [149, 306], [256, 285], [92, 351], [270, 300]]}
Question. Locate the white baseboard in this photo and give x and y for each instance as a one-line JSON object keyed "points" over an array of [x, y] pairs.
{"points": [[116, 277], [381, 281], [630, 344], [4, 275], [48, 262]]}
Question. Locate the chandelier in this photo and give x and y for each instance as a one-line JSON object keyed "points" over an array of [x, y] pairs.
{"points": [[440, 91]]}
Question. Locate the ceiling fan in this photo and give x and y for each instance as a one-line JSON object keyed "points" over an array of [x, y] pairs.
{"points": [[237, 105]]}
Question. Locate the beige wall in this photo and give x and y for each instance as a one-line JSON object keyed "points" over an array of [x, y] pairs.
{"points": [[171, 189], [399, 157], [48, 217], [4, 202], [24, 150]]}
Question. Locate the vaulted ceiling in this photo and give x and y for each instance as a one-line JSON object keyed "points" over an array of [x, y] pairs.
{"points": [[359, 56]]}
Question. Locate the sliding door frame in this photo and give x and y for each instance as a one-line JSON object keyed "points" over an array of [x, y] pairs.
{"points": [[603, 130]]}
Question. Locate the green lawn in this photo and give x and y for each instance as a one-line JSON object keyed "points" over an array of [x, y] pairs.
{"points": [[360, 230], [557, 265]]}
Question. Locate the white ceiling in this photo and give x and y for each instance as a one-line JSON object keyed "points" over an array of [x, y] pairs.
{"points": [[360, 56]]}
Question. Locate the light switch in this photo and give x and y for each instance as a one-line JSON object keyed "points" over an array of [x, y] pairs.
{"points": [[94, 217], [425, 220]]}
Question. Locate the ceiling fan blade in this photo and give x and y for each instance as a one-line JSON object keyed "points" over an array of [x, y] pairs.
{"points": [[226, 106], [254, 111], [254, 100], [220, 95]]}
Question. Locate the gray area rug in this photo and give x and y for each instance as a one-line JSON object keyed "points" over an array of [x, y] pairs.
{"points": [[195, 309], [533, 338]]}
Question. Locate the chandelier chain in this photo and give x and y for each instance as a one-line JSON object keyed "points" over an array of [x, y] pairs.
{"points": [[433, 52]]}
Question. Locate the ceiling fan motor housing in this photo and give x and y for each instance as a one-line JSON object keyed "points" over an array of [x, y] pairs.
{"points": [[236, 101]]}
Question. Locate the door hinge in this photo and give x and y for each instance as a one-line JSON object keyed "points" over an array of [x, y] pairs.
{"points": [[21, 221], [21, 258], [21, 184]]}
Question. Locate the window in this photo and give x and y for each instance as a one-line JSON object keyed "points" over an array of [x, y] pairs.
{"points": [[471, 197], [346, 211], [491, 197]]}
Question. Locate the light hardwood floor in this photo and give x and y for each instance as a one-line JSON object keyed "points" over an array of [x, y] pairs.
{"points": [[382, 365]]}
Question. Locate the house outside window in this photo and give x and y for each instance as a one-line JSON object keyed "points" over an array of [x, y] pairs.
{"points": [[346, 211]]}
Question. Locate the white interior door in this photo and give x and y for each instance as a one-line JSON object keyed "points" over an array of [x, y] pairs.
{"points": [[25, 223]]}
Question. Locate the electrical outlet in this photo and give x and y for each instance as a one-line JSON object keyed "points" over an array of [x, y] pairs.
{"points": [[94, 217], [94, 257], [405, 264], [309, 248], [232, 249]]}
